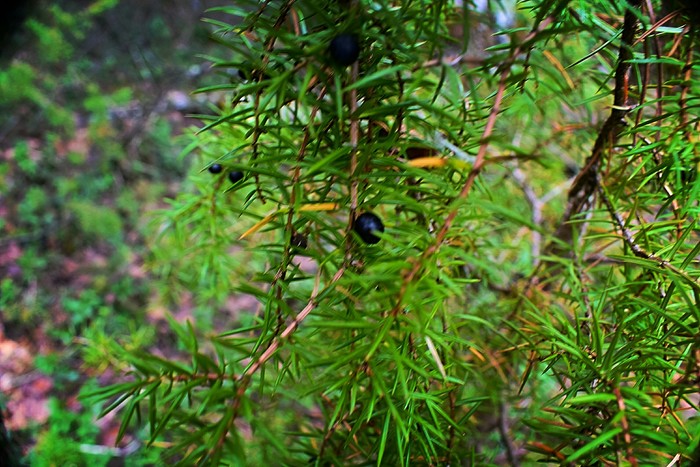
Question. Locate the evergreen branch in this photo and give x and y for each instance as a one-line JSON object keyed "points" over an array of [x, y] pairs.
{"points": [[479, 163], [243, 380], [637, 250], [399, 389], [286, 255], [258, 130], [333, 428], [584, 185], [658, 158], [259, 13]]}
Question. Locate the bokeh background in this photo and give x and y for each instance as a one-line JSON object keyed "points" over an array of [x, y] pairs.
{"points": [[94, 128]]}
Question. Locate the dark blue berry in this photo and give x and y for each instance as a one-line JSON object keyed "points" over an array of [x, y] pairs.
{"points": [[215, 168], [366, 225], [688, 174], [299, 240], [344, 49], [235, 176]]}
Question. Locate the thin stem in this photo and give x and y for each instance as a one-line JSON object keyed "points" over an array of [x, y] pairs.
{"points": [[584, 185], [479, 163]]}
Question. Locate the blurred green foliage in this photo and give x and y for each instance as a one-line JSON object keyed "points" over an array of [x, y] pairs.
{"points": [[60, 444], [88, 139]]}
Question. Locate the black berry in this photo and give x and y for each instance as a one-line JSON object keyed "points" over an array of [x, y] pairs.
{"points": [[215, 168], [299, 240], [419, 152], [688, 175], [366, 225], [252, 75], [235, 176], [344, 49]]}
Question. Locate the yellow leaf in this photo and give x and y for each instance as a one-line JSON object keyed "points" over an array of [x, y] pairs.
{"points": [[428, 162], [267, 219], [259, 225], [320, 207], [557, 64]]}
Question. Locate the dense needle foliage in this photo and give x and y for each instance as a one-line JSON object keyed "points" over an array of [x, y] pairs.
{"points": [[533, 295]]}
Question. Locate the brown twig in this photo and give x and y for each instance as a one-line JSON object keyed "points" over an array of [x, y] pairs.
{"points": [[584, 185], [291, 327], [685, 87], [625, 427], [354, 142], [242, 381], [647, 54], [257, 130], [638, 251], [479, 163], [287, 254], [342, 420]]}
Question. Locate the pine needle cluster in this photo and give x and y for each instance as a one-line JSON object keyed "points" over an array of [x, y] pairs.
{"points": [[526, 289]]}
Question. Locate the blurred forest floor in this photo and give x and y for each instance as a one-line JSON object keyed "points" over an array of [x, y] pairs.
{"points": [[94, 99]]}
